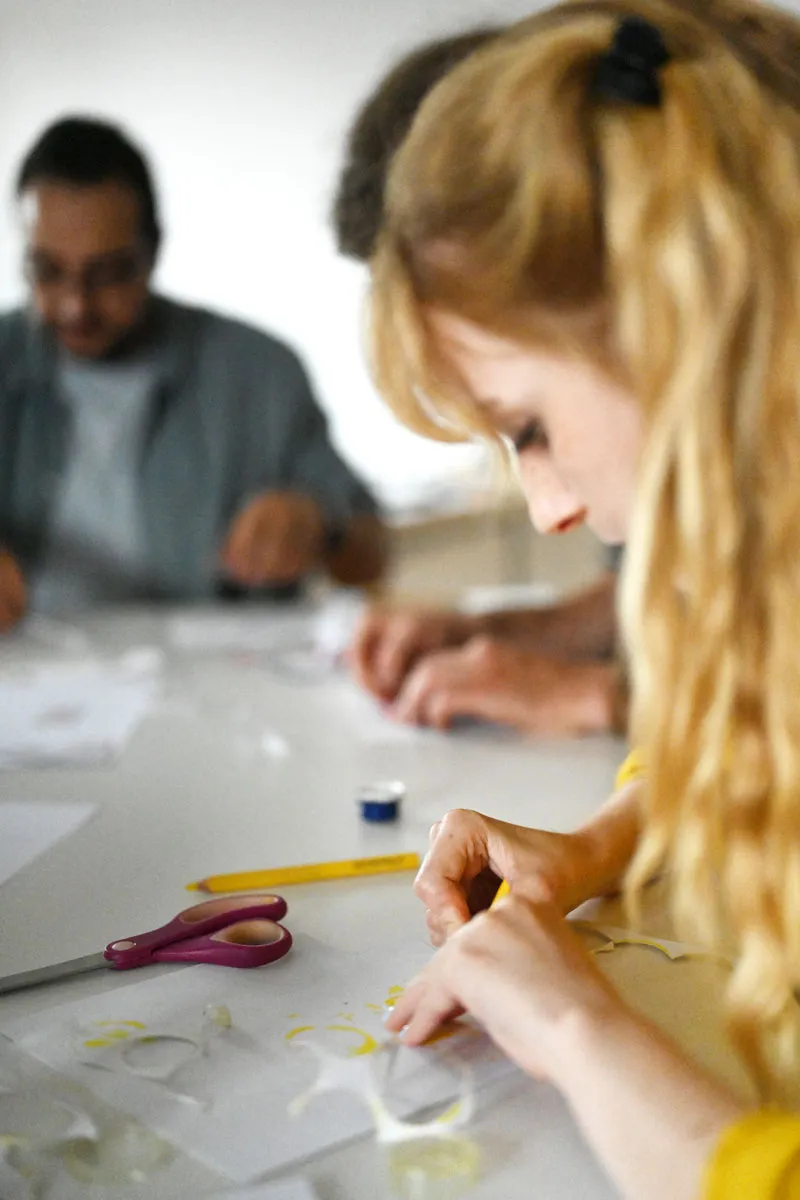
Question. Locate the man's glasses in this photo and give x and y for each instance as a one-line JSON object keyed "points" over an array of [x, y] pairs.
{"points": [[117, 270]]}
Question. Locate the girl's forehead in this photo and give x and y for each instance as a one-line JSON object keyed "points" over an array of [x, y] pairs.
{"points": [[463, 337]]}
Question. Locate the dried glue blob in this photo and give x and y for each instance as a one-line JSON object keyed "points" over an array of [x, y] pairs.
{"points": [[219, 1015]]}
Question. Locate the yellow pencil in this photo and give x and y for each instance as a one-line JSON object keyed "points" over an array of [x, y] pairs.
{"points": [[250, 881], [503, 890]]}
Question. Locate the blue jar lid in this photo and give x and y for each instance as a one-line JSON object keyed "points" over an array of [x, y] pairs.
{"points": [[381, 801]]}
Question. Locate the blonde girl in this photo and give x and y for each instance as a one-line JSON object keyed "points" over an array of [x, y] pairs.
{"points": [[592, 254]]}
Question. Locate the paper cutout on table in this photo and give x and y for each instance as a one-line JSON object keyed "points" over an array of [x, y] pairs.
{"points": [[252, 1072], [625, 937], [54, 1140], [370, 1084], [83, 714], [159, 1055], [39, 1117], [30, 828]]}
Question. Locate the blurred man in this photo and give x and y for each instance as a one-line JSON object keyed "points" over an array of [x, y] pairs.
{"points": [[546, 670], [150, 450]]}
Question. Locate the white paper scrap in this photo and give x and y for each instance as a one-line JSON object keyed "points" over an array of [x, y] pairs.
{"points": [[72, 713]]}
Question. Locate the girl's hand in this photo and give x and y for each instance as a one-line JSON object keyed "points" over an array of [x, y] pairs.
{"points": [[469, 854], [523, 973]]}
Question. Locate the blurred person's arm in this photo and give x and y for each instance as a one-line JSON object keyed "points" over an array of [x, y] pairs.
{"points": [[581, 626], [13, 597], [305, 510]]}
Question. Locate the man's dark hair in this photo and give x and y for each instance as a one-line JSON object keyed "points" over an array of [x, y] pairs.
{"points": [[380, 126], [82, 151]]}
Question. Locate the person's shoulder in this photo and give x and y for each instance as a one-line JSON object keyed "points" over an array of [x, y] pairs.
{"points": [[14, 331], [229, 335]]}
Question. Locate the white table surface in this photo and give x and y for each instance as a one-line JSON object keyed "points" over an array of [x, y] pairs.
{"points": [[194, 795]]}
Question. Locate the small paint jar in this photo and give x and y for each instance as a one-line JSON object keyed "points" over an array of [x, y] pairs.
{"points": [[379, 802]]}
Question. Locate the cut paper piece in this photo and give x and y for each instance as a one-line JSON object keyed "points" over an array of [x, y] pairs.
{"points": [[29, 829], [51, 1130], [39, 1118], [82, 714], [362, 1079], [626, 937], [424, 1156], [252, 1072]]}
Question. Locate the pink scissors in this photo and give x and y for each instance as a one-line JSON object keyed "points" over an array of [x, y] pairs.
{"points": [[232, 932]]}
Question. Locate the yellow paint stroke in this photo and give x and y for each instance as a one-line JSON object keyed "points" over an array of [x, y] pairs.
{"points": [[449, 1114], [294, 1016], [133, 1024], [378, 1008], [346, 1016], [394, 995], [369, 1045], [293, 1033]]}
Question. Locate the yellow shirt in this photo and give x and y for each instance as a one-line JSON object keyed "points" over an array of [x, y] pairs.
{"points": [[632, 768], [758, 1158]]}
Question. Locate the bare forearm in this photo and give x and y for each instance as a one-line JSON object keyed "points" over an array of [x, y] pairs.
{"points": [[651, 1115], [363, 557], [609, 839], [583, 626]]}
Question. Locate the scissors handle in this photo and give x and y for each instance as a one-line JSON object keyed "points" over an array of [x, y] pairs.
{"points": [[251, 943], [193, 924]]}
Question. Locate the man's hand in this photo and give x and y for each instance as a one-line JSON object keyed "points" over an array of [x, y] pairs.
{"points": [[277, 538], [12, 592], [389, 643], [494, 680]]}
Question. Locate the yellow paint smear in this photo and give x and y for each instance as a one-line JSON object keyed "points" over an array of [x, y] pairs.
{"points": [[369, 1045], [293, 1033], [132, 1024]]}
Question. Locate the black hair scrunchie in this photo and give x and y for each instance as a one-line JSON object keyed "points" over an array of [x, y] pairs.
{"points": [[629, 71]]}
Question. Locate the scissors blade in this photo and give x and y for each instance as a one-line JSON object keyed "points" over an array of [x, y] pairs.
{"points": [[75, 966]]}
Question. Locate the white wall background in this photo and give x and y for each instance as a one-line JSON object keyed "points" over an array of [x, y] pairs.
{"points": [[242, 106]]}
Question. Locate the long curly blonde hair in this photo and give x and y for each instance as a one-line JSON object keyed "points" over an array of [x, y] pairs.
{"points": [[662, 244]]}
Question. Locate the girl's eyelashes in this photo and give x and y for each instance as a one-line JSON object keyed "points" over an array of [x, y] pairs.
{"points": [[531, 434]]}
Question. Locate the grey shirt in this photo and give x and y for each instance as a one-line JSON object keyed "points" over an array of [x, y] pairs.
{"points": [[227, 412], [94, 551]]}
